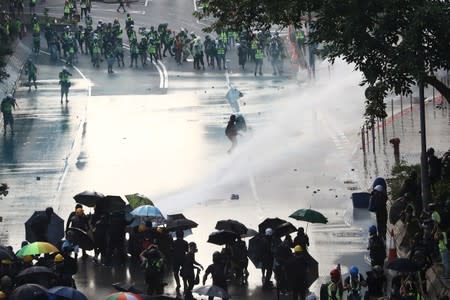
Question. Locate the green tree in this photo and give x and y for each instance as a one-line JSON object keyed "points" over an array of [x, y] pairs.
{"points": [[396, 42], [5, 50]]}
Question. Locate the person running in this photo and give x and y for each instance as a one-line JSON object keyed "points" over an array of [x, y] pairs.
{"points": [[31, 70], [188, 270], [7, 106], [231, 132], [217, 271], [179, 250], [64, 81], [121, 5]]}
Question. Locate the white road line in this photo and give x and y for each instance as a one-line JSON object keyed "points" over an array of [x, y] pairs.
{"points": [[146, 2], [166, 75], [161, 70]]}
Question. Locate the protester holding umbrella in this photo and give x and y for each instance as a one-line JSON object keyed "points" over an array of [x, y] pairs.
{"points": [[239, 260], [218, 273], [71, 215], [39, 225], [295, 267], [282, 256], [267, 258], [189, 266], [80, 221], [302, 239]]}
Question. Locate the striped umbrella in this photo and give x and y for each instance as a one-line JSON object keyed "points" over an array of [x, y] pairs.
{"points": [[124, 296], [37, 248]]}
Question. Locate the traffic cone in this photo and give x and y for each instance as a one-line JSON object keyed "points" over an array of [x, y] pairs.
{"points": [[392, 251]]}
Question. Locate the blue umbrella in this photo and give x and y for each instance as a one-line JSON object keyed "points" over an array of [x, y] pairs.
{"points": [[67, 293], [146, 211]]}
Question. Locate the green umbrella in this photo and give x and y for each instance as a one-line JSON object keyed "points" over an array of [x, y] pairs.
{"points": [[37, 248], [136, 200], [309, 215]]}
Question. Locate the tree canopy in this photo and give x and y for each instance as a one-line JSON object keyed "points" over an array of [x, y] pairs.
{"points": [[395, 42]]}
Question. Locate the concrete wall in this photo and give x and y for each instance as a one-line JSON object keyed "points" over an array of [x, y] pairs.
{"points": [[15, 63]]}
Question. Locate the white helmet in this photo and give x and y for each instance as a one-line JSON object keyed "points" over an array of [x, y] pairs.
{"points": [[269, 231], [379, 188], [9, 96]]}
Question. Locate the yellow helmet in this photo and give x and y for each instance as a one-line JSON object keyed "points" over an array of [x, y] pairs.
{"points": [[2, 295], [27, 258], [298, 249], [6, 261], [59, 258]]}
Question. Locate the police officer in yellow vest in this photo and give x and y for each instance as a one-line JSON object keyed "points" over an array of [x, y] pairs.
{"points": [[64, 81], [253, 47], [259, 54], [7, 106], [220, 54]]}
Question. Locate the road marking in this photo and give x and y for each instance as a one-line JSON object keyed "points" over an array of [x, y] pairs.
{"points": [[146, 2], [161, 70], [166, 75]]}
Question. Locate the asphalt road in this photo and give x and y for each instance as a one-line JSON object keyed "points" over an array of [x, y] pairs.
{"points": [[125, 133]]}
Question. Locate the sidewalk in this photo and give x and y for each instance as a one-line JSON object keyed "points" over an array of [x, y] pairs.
{"points": [[405, 124]]}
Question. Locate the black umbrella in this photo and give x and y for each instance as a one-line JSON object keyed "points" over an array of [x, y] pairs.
{"points": [[55, 228], [231, 225], [222, 237], [180, 224], [111, 203], [312, 269], [88, 198], [29, 291], [396, 210], [255, 250], [212, 291], [5, 253], [404, 265], [81, 238], [175, 217], [270, 223], [36, 274], [250, 233], [284, 229]]}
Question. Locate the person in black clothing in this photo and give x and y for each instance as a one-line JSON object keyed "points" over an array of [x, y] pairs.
{"points": [[380, 197], [302, 239], [282, 256], [231, 132], [71, 215], [239, 260], [153, 261], [100, 233], [179, 250], [376, 247], [188, 270], [411, 186], [435, 167], [376, 282], [267, 258], [295, 267], [116, 237], [217, 271]]}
